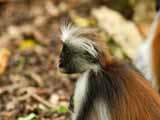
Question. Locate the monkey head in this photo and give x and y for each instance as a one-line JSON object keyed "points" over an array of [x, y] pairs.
{"points": [[78, 53]]}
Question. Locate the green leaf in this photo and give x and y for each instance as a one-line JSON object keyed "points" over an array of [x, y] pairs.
{"points": [[31, 116], [43, 107], [62, 109]]}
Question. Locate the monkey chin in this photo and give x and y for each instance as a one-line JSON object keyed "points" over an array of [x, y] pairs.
{"points": [[62, 70]]}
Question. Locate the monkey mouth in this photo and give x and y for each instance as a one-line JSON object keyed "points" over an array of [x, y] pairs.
{"points": [[62, 67], [62, 70]]}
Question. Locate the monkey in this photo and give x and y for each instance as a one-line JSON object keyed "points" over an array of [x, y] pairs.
{"points": [[148, 55], [108, 88]]}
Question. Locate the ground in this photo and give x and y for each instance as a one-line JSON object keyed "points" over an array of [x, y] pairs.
{"points": [[31, 86]]}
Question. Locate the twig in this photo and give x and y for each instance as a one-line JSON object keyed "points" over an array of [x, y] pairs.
{"points": [[8, 88], [43, 101], [31, 92], [7, 113], [37, 78]]}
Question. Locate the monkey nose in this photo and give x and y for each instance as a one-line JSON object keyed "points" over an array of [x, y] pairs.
{"points": [[61, 66], [61, 63]]}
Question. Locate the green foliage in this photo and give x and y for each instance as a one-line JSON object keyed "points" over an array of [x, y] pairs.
{"points": [[31, 116], [116, 49], [43, 107], [62, 109]]}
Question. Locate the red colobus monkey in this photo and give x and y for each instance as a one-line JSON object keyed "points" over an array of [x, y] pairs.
{"points": [[108, 89], [148, 56]]}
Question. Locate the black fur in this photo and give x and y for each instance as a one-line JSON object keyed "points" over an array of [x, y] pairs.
{"points": [[157, 5], [71, 104], [106, 85], [74, 59], [103, 85], [65, 59]]}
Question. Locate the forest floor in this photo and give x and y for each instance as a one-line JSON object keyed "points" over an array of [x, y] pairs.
{"points": [[31, 86]]}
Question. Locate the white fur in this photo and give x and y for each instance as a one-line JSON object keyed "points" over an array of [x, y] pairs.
{"points": [[80, 93], [68, 32], [143, 60], [75, 35], [99, 110]]}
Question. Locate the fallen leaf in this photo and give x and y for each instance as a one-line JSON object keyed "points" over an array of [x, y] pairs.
{"points": [[82, 21], [4, 58], [62, 109], [27, 44], [54, 99], [43, 107], [31, 116]]}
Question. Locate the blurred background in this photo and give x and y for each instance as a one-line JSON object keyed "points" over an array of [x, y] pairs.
{"points": [[31, 87]]}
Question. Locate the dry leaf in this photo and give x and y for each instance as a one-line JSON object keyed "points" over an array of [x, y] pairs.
{"points": [[54, 99], [27, 44], [4, 58]]}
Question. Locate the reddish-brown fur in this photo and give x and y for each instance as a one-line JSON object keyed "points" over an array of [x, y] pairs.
{"points": [[156, 56], [138, 101]]}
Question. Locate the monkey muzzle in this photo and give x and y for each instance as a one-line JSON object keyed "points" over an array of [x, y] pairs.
{"points": [[61, 66], [62, 70]]}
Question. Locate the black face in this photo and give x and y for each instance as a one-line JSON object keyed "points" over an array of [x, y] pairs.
{"points": [[65, 58], [74, 59]]}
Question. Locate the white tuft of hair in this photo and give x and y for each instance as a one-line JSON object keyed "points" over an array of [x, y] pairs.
{"points": [[76, 36], [68, 31]]}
